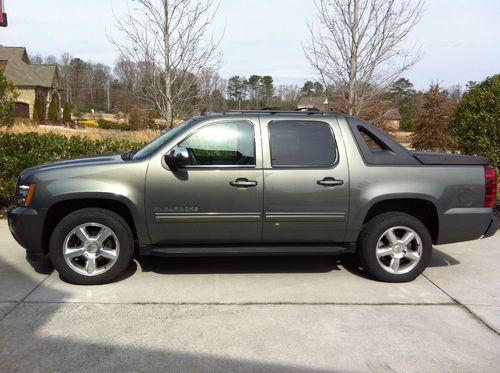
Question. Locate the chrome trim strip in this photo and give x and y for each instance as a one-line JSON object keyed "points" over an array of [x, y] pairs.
{"points": [[307, 217], [207, 217]]}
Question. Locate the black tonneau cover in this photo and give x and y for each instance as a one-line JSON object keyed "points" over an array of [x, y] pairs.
{"points": [[431, 158]]}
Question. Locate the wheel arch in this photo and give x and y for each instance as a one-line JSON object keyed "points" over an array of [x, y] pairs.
{"points": [[421, 208], [63, 207]]}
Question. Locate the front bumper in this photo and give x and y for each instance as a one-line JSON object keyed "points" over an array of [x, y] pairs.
{"points": [[26, 225]]}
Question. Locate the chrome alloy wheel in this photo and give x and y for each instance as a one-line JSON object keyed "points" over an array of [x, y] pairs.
{"points": [[91, 249], [399, 250]]}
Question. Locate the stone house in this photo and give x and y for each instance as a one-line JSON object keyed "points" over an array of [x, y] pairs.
{"points": [[31, 81]]}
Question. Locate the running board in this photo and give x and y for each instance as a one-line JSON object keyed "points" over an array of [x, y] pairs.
{"points": [[271, 249]]}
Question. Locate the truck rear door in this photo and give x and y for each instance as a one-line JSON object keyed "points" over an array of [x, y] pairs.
{"points": [[306, 180]]}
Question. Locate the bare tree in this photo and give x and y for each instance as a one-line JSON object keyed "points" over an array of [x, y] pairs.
{"points": [[64, 70], [209, 82], [169, 41], [360, 45]]}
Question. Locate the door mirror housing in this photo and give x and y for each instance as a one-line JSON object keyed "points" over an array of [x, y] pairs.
{"points": [[177, 157]]}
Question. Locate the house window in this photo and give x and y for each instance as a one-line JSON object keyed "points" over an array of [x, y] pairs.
{"points": [[21, 110]]}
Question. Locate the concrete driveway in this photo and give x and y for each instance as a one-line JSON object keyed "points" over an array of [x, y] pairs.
{"points": [[306, 314]]}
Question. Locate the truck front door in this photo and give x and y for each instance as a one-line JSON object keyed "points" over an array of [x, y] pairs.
{"points": [[218, 196]]}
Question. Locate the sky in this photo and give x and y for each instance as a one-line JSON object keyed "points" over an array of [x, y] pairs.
{"points": [[459, 39]]}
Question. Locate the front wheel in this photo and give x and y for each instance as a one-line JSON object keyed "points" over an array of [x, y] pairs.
{"points": [[91, 246], [395, 247]]}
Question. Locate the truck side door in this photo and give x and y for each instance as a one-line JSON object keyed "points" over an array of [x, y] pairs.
{"points": [[306, 181]]}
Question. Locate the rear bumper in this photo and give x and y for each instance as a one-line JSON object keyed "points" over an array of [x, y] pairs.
{"points": [[26, 225], [493, 227], [465, 224]]}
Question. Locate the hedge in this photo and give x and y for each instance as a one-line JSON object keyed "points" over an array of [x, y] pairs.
{"points": [[20, 151]]}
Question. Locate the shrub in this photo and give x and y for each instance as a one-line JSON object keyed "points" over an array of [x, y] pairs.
{"points": [[20, 151], [89, 123], [107, 125], [476, 125]]}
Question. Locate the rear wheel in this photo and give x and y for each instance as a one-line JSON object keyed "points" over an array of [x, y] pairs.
{"points": [[395, 247], [91, 246]]}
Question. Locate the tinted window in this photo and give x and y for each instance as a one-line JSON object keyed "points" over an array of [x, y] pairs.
{"points": [[301, 143], [222, 144]]}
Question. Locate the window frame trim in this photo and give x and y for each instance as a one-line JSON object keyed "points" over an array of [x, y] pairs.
{"points": [[331, 165], [222, 166]]}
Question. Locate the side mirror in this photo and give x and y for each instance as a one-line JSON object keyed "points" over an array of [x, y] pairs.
{"points": [[177, 157]]}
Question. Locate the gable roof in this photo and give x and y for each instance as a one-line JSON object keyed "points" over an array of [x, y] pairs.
{"points": [[307, 101], [17, 67], [392, 114]]}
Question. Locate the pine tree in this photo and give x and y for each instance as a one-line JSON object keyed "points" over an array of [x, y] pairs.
{"points": [[67, 112], [38, 112], [52, 111], [433, 122]]}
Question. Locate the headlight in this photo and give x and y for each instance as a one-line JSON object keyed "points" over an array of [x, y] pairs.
{"points": [[24, 194]]}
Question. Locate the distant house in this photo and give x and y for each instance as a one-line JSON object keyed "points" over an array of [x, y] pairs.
{"points": [[392, 119], [387, 115], [31, 81], [315, 103]]}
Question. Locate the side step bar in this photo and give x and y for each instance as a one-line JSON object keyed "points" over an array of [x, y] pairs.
{"points": [[271, 249]]}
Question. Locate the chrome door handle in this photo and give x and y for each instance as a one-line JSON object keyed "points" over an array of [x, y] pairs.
{"points": [[330, 182], [243, 183]]}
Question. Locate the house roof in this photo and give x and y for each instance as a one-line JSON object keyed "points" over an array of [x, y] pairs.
{"points": [[312, 102], [392, 114], [17, 67]]}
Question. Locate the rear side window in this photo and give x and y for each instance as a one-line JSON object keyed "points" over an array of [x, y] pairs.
{"points": [[301, 144]]}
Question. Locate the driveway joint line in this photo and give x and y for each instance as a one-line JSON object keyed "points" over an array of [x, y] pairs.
{"points": [[17, 303], [247, 303], [463, 306]]}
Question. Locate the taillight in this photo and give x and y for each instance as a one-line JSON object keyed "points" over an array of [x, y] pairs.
{"points": [[490, 180]]}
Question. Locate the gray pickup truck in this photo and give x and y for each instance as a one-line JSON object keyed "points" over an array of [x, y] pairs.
{"points": [[255, 183]]}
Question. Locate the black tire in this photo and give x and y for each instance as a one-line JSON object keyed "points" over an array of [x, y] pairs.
{"points": [[369, 239], [107, 218]]}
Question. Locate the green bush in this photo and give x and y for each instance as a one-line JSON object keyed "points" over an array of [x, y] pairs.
{"points": [[20, 151], [407, 125], [476, 125]]}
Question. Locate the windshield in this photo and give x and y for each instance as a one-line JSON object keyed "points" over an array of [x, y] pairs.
{"points": [[158, 142]]}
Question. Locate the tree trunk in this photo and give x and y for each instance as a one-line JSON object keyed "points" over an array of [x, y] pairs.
{"points": [[168, 71], [351, 102]]}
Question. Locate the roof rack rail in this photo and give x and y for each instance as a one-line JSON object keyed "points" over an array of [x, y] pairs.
{"points": [[299, 112]]}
